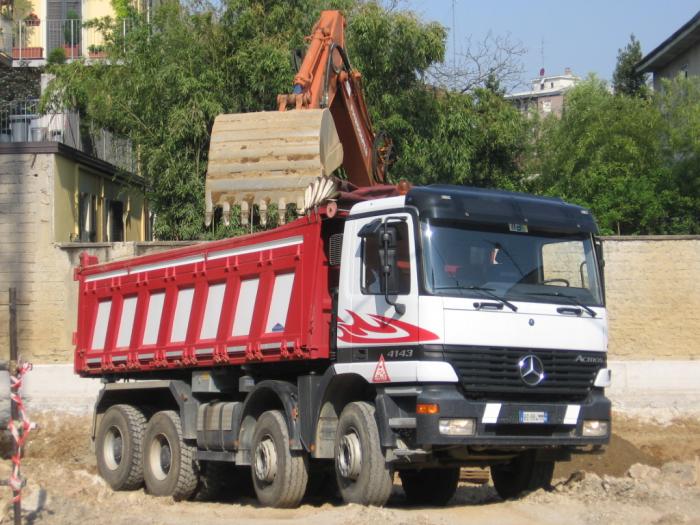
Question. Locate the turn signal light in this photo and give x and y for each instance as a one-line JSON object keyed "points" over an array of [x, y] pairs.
{"points": [[427, 408]]}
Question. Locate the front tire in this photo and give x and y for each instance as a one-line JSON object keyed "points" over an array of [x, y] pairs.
{"points": [[521, 474], [434, 486], [279, 474], [119, 447], [169, 465], [361, 470]]}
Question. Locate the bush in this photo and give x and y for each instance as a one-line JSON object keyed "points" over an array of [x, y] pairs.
{"points": [[57, 56]]}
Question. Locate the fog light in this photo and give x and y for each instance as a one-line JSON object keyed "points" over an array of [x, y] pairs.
{"points": [[457, 427], [595, 428]]}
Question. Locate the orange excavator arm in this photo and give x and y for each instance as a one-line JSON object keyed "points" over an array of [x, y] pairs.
{"points": [[327, 80]]}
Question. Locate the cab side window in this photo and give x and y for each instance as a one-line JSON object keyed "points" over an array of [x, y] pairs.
{"points": [[397, 257]]}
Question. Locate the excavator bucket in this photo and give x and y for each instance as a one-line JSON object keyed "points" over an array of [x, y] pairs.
{"points": [[269, 157]]}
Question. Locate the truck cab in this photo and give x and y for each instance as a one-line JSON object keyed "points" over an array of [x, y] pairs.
{"points": [[488, 308]]}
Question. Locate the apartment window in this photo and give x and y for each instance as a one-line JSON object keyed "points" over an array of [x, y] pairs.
{"points": [[114, 220]]}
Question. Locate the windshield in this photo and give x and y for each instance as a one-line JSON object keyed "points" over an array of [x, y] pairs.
{"points": [[509, 261]]}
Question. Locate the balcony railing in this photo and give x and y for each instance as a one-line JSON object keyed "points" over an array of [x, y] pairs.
{"points": [[34, 40], [21, 121]]}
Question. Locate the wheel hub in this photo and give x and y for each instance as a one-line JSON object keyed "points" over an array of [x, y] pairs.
{"points": [[265, 461], [112, 448], [349, 456], [160, 457]]}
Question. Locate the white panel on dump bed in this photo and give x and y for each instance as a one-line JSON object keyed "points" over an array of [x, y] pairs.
{"points": [[212, 312], [155, 311], [126, 323], [182, 315], [100, 333], [279, 305], [246, 304]]}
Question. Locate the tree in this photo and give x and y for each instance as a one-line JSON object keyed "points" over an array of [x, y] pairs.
{"points": [[166, 81], [626, 79], [631, 160], [679, 104]]}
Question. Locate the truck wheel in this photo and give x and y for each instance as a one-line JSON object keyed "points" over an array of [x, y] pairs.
{"points": [[119, 446], [430, 486], [521, 474], [279, 474], [360, 467], [169, 465]]}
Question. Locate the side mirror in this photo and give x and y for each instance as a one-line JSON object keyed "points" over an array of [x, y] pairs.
{"points": [[389, 237]]}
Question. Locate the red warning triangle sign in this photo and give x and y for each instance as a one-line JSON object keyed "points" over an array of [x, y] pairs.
{"points": [[380, 373]]}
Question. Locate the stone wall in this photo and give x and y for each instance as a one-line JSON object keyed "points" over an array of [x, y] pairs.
{"points": [[653, 283], [653, 296], [19, 83]]}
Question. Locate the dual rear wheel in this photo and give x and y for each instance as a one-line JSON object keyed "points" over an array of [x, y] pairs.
{"points": [[131, 452]]}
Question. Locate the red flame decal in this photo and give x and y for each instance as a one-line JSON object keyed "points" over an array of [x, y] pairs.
{"points": [[383, 330]]}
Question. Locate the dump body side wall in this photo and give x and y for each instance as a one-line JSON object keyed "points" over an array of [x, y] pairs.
{"points": [[258, 298]]}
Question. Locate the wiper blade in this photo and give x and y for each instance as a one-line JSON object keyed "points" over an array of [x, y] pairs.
{"points": [[571, 298], [488, 292]]}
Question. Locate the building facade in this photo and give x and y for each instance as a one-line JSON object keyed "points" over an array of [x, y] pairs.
{"points": [[546, 96], [27, 39], [679, 54]]}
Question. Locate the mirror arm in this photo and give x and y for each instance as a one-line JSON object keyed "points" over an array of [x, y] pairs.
{"points": [[400, 308]]}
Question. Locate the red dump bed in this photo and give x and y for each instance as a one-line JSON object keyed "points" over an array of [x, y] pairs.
{"points": [[262, 297]]}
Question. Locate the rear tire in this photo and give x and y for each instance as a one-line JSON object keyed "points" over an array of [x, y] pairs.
{"points": [[434, 486], [119, 447], [522, 474], [361, 470], [169, 465], [279, 474]]}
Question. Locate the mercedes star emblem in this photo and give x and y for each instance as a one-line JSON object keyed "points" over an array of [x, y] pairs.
{"points": [[531, 370]]}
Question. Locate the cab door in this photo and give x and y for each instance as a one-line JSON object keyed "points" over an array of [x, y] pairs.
{"points": [[378, 292]]}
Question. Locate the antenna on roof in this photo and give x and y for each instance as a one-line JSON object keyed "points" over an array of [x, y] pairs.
{"points": [[542, 57], [454, 37]]}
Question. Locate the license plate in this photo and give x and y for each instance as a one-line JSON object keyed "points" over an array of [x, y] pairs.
{"points": [[533, 417]]}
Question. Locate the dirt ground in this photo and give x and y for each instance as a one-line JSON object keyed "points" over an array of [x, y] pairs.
{"points": [[650, 474]]}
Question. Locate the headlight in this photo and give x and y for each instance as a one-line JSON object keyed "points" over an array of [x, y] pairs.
{"points": [[457, 427], [595, 428]]}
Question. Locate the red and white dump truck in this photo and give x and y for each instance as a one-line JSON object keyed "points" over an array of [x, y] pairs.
{"points": [[387, 329]]}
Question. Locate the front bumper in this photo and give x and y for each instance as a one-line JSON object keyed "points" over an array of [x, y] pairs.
{"points": [[498, 423]]}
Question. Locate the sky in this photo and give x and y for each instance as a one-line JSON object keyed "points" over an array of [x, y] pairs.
{"points": [[584, 35]]}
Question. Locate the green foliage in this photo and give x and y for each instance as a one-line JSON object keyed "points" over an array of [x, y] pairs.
{"points": [[57, 56], [635, 161], [626, 79], [122, 8], [439, 136], [617, 155]]}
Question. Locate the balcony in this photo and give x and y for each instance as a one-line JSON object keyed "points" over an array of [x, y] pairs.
{"points": [[21, 121], [31, 42]]}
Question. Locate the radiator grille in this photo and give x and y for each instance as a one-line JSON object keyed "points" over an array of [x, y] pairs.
{"points": [[494, 370]]}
